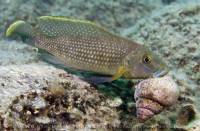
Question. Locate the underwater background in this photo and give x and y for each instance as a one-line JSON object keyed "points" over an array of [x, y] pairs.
{"points": [[35, 95]]}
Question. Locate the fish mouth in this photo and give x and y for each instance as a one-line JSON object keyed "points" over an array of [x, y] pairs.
{"points": [[160, 73]]}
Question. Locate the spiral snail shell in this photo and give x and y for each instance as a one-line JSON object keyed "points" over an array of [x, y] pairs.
{"points": [[153, 95]]}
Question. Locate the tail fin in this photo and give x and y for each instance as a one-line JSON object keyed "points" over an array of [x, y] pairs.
{"points": [[21, 28]]}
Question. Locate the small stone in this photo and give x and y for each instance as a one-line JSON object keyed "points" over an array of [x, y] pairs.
{"points": [[131, 104], [196, 68], [57, 90], [145, 34], [7, 123], [43, 120], [38, 103], [18, 107], [28, 113], [173, 22], [186, 115], [116, 102]]}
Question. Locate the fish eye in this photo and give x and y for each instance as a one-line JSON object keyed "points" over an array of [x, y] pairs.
{"points": [[146, 59]]}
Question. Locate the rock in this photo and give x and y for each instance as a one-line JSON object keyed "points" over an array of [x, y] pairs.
{"points": [[186, 115], [188, 119], [39, 104], [116, 102]]}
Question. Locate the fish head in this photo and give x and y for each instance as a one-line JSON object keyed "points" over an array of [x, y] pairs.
{"points": [[142, 63]]}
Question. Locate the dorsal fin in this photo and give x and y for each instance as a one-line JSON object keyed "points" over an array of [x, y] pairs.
{"points": [[58, 26]]}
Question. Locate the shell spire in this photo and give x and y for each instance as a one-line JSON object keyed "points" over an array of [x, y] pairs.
{"points": [[153, 95]]}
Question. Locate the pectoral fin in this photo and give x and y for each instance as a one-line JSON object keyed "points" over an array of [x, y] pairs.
{"points": [[120, 72]]}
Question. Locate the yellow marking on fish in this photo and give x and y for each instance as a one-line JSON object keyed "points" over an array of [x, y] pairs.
{"points": [[119, 73], [64, 19]]}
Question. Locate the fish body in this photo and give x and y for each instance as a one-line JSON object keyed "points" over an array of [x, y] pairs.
{"points": [[85, 46]]}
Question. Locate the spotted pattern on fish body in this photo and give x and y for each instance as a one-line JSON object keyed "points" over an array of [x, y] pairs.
{"points": [[91, 54]]}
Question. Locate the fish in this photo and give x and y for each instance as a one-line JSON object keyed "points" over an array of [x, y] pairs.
{"points": [[86, 46]]}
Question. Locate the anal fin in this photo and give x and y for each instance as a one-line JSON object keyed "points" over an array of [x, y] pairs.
{"points": [[96, 80]]}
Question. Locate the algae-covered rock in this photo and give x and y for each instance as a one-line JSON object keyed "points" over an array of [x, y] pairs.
{"points": [[16, 80], [43, 97]]}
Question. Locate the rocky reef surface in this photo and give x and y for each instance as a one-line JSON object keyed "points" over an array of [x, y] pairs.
{"points": [[37, 95], [52, 99]]}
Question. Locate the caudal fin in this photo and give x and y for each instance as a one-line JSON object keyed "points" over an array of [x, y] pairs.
{"points": [[20, 28]]}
